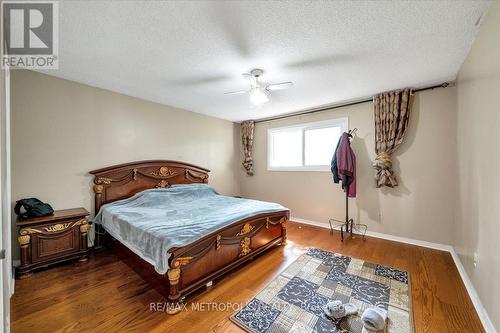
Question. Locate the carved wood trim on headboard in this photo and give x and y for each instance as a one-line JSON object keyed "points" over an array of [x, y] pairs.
{"points": [[124, 180]]}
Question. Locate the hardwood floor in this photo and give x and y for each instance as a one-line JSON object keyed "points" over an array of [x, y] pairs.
{"points": [[105, 295]]}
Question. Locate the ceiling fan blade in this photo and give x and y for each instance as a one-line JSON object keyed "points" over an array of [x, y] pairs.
{"points": [[236, 92], [279, 86]]}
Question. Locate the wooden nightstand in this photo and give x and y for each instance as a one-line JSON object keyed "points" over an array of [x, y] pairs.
{"points": [[52, 239]]}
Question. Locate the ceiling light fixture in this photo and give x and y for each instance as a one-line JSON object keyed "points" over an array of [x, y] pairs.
{"points": [[258, 96], [259, 92]]}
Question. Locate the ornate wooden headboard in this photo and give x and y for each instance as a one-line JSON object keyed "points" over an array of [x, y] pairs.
{"points": [[124, 180]]}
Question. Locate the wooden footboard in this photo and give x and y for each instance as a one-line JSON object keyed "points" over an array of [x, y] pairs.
{"points": [[194, 265]]}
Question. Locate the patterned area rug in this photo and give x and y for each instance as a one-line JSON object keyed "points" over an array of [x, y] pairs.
{"points": [[294, 301]]}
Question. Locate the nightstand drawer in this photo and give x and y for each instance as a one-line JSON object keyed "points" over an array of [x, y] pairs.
{"points": [[47, 246]]}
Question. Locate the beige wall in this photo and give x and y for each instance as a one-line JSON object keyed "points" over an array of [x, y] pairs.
{"points": [[61, 130], [420, 208], [478, 137]]}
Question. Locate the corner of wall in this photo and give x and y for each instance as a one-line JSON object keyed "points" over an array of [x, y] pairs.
{"points": [[476, 239], [237, 157]]}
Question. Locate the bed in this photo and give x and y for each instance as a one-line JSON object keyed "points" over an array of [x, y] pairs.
{"points": [[175, 230]]}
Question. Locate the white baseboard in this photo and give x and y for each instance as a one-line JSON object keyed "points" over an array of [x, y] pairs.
{"points": [[12, 284], [436, 246], [15, 263], [481, 311]]}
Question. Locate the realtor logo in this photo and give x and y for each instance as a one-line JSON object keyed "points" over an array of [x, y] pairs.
{"points": [[30, 34]]}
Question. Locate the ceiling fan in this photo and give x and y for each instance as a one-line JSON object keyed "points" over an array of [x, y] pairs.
{"points": [[259, 92]]}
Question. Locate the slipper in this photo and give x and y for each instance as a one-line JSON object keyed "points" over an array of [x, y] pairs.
{"points": [[337, 310], [374, 319]]}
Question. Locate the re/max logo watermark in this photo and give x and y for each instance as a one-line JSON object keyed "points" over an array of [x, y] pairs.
{"points": [[220, 306], [30, 34]]}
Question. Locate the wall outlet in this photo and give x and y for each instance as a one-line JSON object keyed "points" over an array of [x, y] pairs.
{"points": [[476, 259]]}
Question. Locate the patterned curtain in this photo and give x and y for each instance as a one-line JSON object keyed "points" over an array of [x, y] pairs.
{"points": [[392, 112], [247, 129]]}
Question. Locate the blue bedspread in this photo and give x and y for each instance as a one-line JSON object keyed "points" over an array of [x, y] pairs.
{"points": [[153, 221]]}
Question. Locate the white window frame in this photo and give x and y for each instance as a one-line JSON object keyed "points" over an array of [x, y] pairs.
{"points": [[343, 123]]}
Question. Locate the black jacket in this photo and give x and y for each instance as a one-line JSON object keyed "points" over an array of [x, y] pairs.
{"points": [[335, 170]]}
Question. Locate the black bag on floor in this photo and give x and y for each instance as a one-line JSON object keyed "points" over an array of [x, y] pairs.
{"points": [[33, 208]]}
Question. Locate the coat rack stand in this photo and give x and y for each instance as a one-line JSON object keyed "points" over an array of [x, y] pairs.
{"points": [[348, 225]]}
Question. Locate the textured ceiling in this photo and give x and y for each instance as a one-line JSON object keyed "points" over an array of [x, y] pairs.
{"points": [[187, 53]]}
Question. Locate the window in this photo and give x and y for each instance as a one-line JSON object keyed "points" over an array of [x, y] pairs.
{"points": [[304, 147]]}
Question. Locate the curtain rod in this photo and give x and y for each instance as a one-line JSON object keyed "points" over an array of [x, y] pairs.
{"points": [[328, 108]]}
